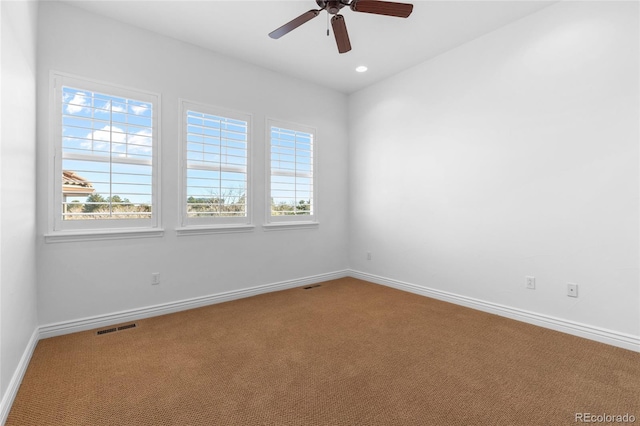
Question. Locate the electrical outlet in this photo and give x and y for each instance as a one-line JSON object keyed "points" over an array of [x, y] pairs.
{"points": [[368, 255], [572, 290], [155, 278], [530, 283]]}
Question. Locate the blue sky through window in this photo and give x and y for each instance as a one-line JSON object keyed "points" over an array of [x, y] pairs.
{"points": [[291, 166], [216, 154], [108, 141]]}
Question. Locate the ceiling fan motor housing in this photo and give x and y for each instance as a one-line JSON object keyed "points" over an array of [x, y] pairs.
{"points": [[332, 7]]}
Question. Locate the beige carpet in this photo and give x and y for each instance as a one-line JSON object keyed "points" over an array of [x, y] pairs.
{"points": [[345, 353]]}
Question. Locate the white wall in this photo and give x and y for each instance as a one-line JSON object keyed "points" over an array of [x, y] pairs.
{"points": [[515, 154], [18, 314], [84, 279]]}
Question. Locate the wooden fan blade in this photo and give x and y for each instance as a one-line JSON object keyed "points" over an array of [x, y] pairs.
{"points": [[293, 24], [340, 31], [401, 10]]}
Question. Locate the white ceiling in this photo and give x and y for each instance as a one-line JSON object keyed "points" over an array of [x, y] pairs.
{"points": [[386, 45]]}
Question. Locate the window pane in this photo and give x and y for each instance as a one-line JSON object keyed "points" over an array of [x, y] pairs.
{"points": [[216, 152], [291, 172], [107, 148]]}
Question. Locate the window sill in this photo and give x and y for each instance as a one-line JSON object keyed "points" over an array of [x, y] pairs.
{"points": [[219, 229], [107, 234], [281, 226]]}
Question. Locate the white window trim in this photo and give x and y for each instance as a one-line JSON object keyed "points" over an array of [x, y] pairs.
{"points": [[111, 234], [214, 229], [202, 226], [283, 226], [102, 229], [278, 223]]}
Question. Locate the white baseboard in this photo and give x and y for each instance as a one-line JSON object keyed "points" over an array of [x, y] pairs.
{"points": [[602, 335], [14, 384], [83, 324]]}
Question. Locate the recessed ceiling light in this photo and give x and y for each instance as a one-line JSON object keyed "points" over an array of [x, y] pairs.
{"points": [[361, 68]]}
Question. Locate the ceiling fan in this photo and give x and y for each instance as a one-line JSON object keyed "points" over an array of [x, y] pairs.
{"points": [[401, 10]]}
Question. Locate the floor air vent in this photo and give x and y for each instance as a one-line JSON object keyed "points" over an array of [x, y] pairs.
{"points": [[311, 286], [124, 327], [114, 329]]}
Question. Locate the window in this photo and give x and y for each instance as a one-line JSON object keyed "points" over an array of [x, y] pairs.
{"points": [[292, 174], [215, 147], [105, 156]]}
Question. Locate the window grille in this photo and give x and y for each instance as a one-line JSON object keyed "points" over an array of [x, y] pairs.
{"points": [[291, 172], [215, 146], [107, 156]]}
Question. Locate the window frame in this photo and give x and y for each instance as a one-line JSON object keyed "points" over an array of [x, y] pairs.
{"points": [[60, 230], [290, 221], [207, 225]]}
